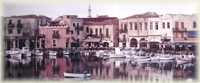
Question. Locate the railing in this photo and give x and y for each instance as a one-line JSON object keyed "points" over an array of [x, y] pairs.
{"points": [[123, 31], [11, 25], [179, 29]]}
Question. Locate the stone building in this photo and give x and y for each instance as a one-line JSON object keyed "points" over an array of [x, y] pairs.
{"points": [[21, 31], [101, 31], [150, 30], [65, 31]]}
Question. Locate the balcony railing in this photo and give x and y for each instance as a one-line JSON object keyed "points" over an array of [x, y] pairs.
{"points": [[179, 29], [11, 25], [123, 31]]}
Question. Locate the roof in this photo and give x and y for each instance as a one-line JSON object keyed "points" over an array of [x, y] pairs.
{"points": [[144, 15], [29, 16], [100, 20]]}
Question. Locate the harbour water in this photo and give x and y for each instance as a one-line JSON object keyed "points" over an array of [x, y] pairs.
{"points": [[98, 68]]}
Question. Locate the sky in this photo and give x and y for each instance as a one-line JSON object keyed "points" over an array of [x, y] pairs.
{"points": [[114, 8]]}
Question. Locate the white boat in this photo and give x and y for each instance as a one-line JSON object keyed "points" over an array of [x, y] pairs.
{"points": [[104, 56], [76, 75], [166, 57], [139, 57], [54, 53], [117, 56], [143, 60], [155, 58], [179, 61], [13, 51], [182, 59], [25, 50], [66, 52]]}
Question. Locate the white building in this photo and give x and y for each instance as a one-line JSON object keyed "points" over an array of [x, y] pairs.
{"points": [[150, 29]]}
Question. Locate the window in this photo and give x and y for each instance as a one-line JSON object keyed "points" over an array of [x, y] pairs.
{"points": [[135, 25], [18, 31], [55, 34], [131, 25], [54, 42], [107, 32], [194, 24], [182, 25], [124, 37], [10, 22], [67, 30], [78, 32], [125, 27], [151, 25], [176, 25], [156, 25], [100, 31], [91, 31], [10, 31], [77, 24], [121, 25], [140, 25], [163, 25], [74, 25], [96, 31], [66, 44], [168, 25], [72, 32], [87, 29], [43, 43], [19, 24], [145, 25]]}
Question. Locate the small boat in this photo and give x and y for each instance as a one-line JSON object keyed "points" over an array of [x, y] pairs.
{"points": [[154, 57], [166, 57], [104, 56], [52, 53], [117, 56], [66, 52], [182, 59], [179, 61], [76, 75], [143, 60]]}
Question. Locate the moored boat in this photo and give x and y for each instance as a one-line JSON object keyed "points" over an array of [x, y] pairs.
{"points": [[76, 75]]}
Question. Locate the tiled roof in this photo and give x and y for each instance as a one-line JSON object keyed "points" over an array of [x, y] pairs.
{"points": [[100, 21], [29, 16], [144, 15]]}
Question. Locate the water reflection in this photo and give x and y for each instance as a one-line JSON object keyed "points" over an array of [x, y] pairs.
{"points": [[102, 69]]}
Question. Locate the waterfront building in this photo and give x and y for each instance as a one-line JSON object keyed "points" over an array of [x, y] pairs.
{"points": [[65, 31], [21, 31], [150, 30], [101, 31], [185, 31]]}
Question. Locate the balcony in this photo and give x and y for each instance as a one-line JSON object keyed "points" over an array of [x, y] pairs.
{"points": [[26, 34], [11, 25], [179, 29], [56, 35], [123, 31]]}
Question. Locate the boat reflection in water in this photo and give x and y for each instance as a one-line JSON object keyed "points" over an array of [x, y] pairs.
{"points": [[88, 66], [125, 70]]}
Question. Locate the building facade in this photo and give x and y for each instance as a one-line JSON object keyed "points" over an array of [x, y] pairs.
{"points": [[21, 31], [150, 30], [64, 32], [100, 31]]}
